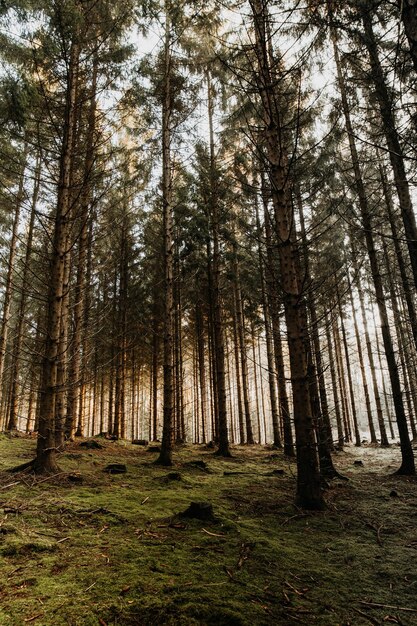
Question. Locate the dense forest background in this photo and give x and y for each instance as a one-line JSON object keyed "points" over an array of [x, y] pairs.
{"points": [[207, 225]]}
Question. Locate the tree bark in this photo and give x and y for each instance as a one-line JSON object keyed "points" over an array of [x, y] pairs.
{"points": [[4, 328], [15, 374], [391, 135], [408, 464], [308, 475], [46, 450], [165, 457]]}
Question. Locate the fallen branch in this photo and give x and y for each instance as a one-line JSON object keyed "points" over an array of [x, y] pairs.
{"points": [[377, 530], [388, 606], [10, 485], [368, 617], [38, 482], [211, 534], [31, 619]]}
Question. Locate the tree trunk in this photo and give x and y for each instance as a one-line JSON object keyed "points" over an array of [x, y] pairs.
{"points": [[273, 308], [349, 373], [308, 476], [272, 377], [15, 374], [223, 449], [409, 17], [201, 369], [46, 451], [4, 328], [317, 386], [165, 457], [242, 348], [341, 378], [408, 294], [238, 382], [80, 287], [408, 465], [393, 142], [334, 384]]}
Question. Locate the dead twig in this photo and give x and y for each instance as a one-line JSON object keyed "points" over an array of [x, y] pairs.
{"points": [[368, 617], [376, 605], [377, 530], [44, 480], [10, 485], [31, 619], [296, 591], [232, 578], [298, 515], [212, 534]]}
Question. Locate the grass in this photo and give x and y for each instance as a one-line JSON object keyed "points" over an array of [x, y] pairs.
{"points": [[112, 551]]}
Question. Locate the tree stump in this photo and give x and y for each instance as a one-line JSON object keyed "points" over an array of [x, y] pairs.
{"points": [[91, 445], [115, 468], [201, 465], [199, 510]]}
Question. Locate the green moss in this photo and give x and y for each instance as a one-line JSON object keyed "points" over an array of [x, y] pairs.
{"points": [[113, 548]]}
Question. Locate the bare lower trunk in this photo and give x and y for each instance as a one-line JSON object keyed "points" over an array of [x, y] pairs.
{"points": [[165, 457], [46, 449], [308, 477], [391, 135]]}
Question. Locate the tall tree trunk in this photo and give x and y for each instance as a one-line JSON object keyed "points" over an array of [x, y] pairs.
{"points": [[394, 146], [15, 374], [408, 464], [409, 17], [273, 307], [165, 457], [362, 365], [377, 396], [238, 380], [201, 368], [80, 287], [61, 390], [308, 475], [46, 451], [223, 449], [255, 382], [333, 376], [408, 294], [349, 373], [4, 327], [243, 355], [317, 386], [272, 377], [401, 338], [341, 377], [154, 374]]}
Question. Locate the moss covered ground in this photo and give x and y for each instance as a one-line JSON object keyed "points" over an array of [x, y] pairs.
{"points": [[112, 551]]}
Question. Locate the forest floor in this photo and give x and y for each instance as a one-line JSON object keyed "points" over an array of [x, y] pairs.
{"points": [[110, 550]]}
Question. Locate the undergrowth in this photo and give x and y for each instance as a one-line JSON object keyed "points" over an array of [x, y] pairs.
{"points": [[112, 549]]}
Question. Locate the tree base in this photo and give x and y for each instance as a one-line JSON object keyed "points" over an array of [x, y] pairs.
{"points": [[309, 503], [404, 470], [224, 453], [37, 467], [332, 474], [164, 459]]}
